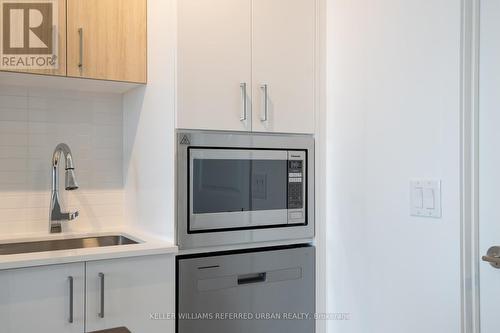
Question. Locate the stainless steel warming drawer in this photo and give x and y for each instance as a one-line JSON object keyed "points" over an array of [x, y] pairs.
{"points": [[266, 291]]}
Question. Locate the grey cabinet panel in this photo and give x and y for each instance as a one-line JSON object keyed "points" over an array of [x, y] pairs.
{"points": [[253, 285]]}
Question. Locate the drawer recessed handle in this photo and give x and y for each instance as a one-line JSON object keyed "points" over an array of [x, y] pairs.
{"points": [[251, 278]]}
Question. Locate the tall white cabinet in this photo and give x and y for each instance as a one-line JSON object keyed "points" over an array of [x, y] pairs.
{"points": [[247, 65]]}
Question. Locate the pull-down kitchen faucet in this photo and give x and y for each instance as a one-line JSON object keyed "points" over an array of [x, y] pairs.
{"points": [[56, 216]]}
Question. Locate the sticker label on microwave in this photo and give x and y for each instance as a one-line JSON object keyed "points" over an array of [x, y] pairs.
{"points": [[185, 140]]}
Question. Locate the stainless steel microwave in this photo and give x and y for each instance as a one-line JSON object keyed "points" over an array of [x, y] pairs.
{"points": [[235, 188]]}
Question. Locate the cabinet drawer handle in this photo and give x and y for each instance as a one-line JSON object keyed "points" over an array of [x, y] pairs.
{"points": [[243, 87], [80, 63], [70, 319], [265, 113], [101, 312], [252, 278]]}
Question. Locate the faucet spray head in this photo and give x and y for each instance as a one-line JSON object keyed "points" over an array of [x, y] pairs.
{"points": [[70, 180]]}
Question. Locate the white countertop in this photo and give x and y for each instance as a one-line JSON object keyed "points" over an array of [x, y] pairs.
{"points": [[148, 245]]}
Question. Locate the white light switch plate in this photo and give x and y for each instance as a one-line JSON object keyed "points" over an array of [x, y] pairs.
{"points": [[425, 198]]}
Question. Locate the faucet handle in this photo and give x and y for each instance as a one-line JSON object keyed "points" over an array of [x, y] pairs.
{"points": [[68, 216], [55, 220], [73, 216]]}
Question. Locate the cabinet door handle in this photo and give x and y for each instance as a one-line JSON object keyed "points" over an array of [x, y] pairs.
{"points": [[80, 63], [244, 110], [101, 312], [264, 115], [70, 319]]}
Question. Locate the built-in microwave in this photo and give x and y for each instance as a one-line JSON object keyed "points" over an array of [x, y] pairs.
{"points": [[237, 187]]}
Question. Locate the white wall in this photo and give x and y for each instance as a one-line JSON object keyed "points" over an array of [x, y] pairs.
{"points": [[393, 115], [149, 114], [32, 122]]}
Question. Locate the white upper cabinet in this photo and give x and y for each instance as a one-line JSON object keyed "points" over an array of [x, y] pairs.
{"points": [[42, 299], [246, 65], [283, 51], [214, 64]]}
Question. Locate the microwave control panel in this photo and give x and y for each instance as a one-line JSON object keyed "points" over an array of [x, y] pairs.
{"points": [[296, 186]]}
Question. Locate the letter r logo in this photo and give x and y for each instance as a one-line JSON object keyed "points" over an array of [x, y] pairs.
{"points": [[27, 27]]}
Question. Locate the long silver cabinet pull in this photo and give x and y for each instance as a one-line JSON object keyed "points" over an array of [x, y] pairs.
{"points": [[101, 312], [265, 93], [244, 105], [80, 63], [70, 319]]}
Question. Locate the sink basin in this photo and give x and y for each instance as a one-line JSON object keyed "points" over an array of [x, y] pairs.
{"points": [[64, 244]]}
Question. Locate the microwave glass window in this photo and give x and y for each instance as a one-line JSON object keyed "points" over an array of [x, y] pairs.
{"points": [[232, 185]]}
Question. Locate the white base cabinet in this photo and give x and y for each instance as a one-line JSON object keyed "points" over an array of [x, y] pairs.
{"points": [[130, 292], [71, 298], [38, 299]]}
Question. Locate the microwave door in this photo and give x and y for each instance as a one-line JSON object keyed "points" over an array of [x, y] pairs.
{"points": [[236, 188]]}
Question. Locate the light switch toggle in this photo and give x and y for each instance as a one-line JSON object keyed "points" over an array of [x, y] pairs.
{"points": [[425, 198], [429, 198], [418, 197]]}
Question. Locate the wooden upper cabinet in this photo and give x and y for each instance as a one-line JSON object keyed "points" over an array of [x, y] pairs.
{"points": [[107, 39]]}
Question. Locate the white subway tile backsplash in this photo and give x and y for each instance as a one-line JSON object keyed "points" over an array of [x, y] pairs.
{"points": [[15, 102], [13, 90], [13, 177], [14, 127], [32, 122], [13, 164], [12, 201], [13, 152], [10, 114], [14, 140]]}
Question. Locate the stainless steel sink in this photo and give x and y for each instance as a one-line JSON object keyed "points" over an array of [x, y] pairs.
{"points": [[64, 244]]}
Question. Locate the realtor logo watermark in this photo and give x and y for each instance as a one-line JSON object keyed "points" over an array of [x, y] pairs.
{"points": [[28, 36]]}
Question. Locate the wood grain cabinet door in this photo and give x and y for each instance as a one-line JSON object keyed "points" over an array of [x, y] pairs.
{"points": [[107, 39]]}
